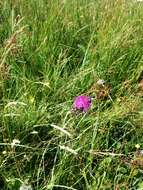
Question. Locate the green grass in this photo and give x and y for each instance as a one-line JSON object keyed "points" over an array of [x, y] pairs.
{"points": [[50, 52]]}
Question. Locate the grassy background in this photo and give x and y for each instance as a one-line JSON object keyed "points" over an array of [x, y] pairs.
{"points": [[50, 52]]}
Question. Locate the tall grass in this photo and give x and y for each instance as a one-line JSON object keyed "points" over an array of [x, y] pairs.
{"points": [[50, 52]]}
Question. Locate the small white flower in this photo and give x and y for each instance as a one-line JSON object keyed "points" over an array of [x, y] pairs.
{"points": [[15, 142], [141, 152], [137, 146], [4, 152], [25, 187], [26, 157], [139, 0], [101, 82]]}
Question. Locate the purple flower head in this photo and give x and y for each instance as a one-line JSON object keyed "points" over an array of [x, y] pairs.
{"points": [[82, 103]]}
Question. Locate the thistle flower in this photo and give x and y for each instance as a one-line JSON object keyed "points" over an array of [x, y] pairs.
{"points": [[82, 103]]}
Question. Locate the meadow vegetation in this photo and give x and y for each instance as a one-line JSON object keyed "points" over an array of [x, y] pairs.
{"points": [[50, 52]]}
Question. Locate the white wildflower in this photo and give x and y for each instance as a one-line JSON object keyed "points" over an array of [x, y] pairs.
{"points": [[137, 146], [101, 82], [141, 152], [25, 187], [15, 142], [4, 152]]}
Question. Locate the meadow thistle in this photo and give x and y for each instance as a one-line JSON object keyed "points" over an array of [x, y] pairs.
{"points": [[82, 103]]}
